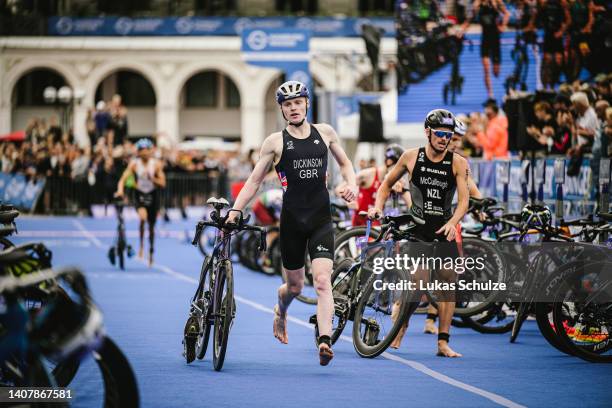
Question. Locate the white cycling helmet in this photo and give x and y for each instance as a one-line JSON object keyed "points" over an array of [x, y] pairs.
{"points": [[291, 90], [460, 127]]}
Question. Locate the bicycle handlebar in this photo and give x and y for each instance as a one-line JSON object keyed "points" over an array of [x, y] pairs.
{"points": [[220, 223]]}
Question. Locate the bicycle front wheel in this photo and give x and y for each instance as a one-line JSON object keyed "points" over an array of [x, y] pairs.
{"points": [[225, 308], [380, 313], [204, 321]]}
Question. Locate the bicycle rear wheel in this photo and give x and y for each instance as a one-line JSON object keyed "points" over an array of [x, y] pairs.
{"points": [[207, 241], [519, 319], [380, 313], [348, 243], [546, 325], [121, 256], [498, 319], [582, 312], [225, 308]]}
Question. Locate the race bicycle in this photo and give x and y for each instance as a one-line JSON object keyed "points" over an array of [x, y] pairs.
{"points": [[121, 247], [213, 306]]}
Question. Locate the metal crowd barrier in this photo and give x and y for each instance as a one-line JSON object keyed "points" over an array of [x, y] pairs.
{"points": [[63, 195]]}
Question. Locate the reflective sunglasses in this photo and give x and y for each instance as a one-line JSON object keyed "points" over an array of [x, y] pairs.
{"points": [[443, 133]]}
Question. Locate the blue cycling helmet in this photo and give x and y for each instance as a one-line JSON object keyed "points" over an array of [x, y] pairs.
{"points": [[291, 90], [144, 144]]}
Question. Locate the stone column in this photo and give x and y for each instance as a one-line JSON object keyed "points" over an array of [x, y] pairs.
{"points": [[5, 118], [252, 124], [167, 119], [79, 127]]}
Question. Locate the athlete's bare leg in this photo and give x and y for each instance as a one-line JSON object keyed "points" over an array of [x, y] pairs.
{"points": [[151, 243], [286, 292], [445, 315], [419, 275], [430, 324], [397, 341], [142, 215], [321, 272], [486, 65], [496, 69]]}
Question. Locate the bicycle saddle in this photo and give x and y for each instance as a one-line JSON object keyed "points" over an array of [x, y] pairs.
{"points": [[5, 231], [7, 217], [217, 202], [482, 202], [12, 255]]}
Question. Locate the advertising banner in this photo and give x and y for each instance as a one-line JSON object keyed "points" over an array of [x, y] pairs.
{"points": [[18, 191], [284, 49], [214, 26]]}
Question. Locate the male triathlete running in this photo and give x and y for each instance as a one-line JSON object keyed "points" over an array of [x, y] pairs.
{"points": [[369, 180], [435, 174], [150, 177], [454, 146], [299, 153]]}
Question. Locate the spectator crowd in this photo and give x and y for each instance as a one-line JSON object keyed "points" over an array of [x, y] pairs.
{"points": [[77, 175]]}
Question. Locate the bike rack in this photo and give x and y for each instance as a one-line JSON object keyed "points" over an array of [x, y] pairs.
{"points": [[540, 177], [559, 181], [525, 167], [503, 173], [475, 170], [604, 191]]}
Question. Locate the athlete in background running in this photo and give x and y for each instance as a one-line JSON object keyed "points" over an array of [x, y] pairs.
{"points": [[435, 174], [489, 13], [554, 17], [150, 178], [300, 155]]}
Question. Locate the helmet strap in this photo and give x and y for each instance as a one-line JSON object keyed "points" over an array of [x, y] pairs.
{"points": [[297, 124]]}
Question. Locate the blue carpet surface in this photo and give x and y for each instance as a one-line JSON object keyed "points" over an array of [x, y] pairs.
{"points": [[145, 311]]}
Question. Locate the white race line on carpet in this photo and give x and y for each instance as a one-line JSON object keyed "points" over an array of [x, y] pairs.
{"points": [[422, 368]]}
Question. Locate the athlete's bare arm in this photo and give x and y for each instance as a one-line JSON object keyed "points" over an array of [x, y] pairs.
{"points": [[346, 167], [126, 173], [159, 179], [269, 152], [473, 189], [365, 177], [404, 164], [505, 15], [462, 174]]}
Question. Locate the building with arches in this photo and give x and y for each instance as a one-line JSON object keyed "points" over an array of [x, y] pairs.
{"points": [[188, 86]]}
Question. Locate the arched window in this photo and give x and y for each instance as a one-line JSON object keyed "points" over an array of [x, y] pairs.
{"points": [[30, 87]]}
